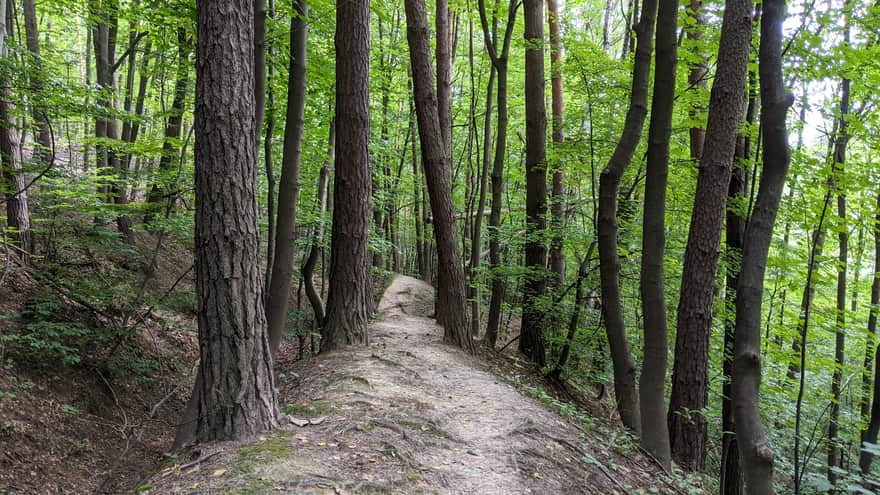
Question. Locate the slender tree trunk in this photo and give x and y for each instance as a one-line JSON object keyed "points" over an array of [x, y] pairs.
{"points": [[534, 321], [557, 201], [869, 435], [12, 179], [350, 300], [731, 474], [476, 240], [436, 164], [609, 188], [318, 238], [574, 321], [235, 396], [499, 60], [835, 461], [39, 109], [655, 436], [268, 155], [259, 67], [756, 455], [697, 74], [165, 187], [443, 51], [288, 188], [690, 370]]}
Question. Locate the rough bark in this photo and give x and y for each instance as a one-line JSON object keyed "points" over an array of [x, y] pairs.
{"points": [[756, 455], [349, 301], [288, 187], [652, 396], [609, 187], [437, 167], [870, 433], [499, 60], [557, 195], [235, 391], [12, 178], [534, 321], [687, 425]]}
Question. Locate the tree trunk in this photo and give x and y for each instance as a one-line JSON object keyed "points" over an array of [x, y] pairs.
{"points": [[318, 238], [869, 435], [350, 299], [165, 187], [756, 455], [690, 370], [557, 201], [444, 74], [655, 436], [476, 239], [499, 60], [436, 164], [731, 474], [13, 180], [40, 112], [268, 156], [835, 461], [697, 74], [609, 187], [288, 187], [235, 394], [531, 335], [260, 70]]}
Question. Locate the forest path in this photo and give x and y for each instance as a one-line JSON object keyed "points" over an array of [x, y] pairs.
{"points": [[410, 414]]}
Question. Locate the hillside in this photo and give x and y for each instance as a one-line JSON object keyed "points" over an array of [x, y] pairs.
{"points": [[409, 414]]}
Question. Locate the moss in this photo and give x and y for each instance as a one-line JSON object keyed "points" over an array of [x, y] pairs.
{"points": [[309, 409], [145, 487], [261, 453]]}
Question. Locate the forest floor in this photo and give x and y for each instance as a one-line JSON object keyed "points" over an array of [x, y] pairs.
{"points": [[410, 414]]}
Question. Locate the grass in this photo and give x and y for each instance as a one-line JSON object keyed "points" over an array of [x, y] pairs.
{"points": [[309, 409]]}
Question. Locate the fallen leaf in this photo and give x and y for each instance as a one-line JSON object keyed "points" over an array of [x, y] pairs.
{"points": [[372, 459], [322, 444], [352, 446], [219, 472]]}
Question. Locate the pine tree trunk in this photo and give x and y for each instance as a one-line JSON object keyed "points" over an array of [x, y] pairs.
{"points": [[687, 425], [609, 187], [756, 455], [451, 309], [350, 299], [288, 188], [652, 401], [534, 321], [235, 391]]}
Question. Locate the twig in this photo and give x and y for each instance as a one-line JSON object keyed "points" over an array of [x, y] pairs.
{"points": [[199, 460], [508, 344]]}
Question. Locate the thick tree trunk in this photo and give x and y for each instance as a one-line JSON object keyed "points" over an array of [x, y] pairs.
{"points": [[164, 188], [609, 187], [436, 164], [350, 300], [288, 188], [499, 60], [655, 436], [690, 370], [12, 178], [557, 201], [534, 320], [756, 455], [870, 433], [235, 391]]}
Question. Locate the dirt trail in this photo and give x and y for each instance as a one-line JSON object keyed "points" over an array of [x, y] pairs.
{"points": [[409, 414]]}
